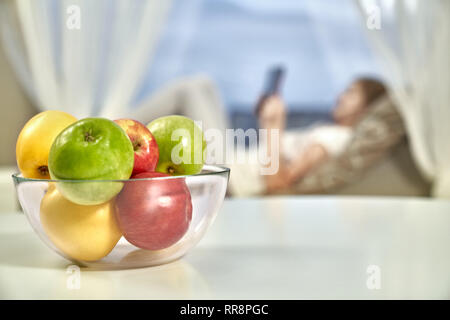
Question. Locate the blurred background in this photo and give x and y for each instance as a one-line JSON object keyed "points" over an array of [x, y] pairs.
{"points": [[210, 60], [320, 43]]}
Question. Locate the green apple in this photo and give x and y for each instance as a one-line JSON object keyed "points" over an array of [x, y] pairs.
{"points": [[91, 149], [181, 145]]}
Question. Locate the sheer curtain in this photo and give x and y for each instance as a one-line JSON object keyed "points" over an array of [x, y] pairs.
{"points": [[90, 71], [413, 44]]}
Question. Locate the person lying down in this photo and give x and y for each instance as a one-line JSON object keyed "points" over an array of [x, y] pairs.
{"points": [[301, 151]]}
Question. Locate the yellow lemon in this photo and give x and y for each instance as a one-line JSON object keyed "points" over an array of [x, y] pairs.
{"points": [[36, 139], [85, 233]]}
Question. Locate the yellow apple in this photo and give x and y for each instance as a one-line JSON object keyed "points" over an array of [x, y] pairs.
{"points": [[35, 140], [82, 232]]}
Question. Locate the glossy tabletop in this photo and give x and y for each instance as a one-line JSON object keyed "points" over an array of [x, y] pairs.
{"points": [[272, 248]]}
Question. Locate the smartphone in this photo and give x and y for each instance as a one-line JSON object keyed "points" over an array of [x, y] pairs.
{"points": [[272, 86], [273, 81]]}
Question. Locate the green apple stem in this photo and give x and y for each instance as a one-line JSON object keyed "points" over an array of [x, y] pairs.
{"points": [[170, 170], [88, 137]]}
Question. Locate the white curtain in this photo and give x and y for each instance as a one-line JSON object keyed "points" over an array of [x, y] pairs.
{"points": [[90, 71], [412, 40]]}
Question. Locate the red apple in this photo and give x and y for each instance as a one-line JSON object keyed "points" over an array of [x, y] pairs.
{"points": [[154, 214], [146, 152]]}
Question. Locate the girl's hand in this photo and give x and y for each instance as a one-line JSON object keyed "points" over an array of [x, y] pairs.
{"points": [[273, 113]]}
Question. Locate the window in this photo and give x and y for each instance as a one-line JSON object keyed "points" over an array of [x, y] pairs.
{"points": [[320, 43]]}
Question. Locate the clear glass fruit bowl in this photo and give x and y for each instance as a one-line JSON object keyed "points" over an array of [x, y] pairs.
{"points": [[151, 221]]}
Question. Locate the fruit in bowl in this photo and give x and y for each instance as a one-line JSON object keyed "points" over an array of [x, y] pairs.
{"points": [[86, 233], [146, 152], [35, 140], [154, 214], [181, 145], [91, 149], [93, 213]]}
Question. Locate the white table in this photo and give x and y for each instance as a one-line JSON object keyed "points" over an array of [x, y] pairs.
{"points": [[293, 248]]}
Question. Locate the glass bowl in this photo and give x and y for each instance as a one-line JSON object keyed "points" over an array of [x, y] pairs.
{"points": [[87, 235]]}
